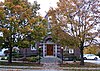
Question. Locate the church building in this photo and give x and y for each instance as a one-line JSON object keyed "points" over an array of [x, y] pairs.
{"points": [[50, 48]]}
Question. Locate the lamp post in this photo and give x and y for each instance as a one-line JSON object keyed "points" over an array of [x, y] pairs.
{"points": [[39, 53], [62, 54]]}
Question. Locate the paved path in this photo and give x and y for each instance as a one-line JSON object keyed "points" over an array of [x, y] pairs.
{"points": [[51, 67], [50, 59], [51, 64]]}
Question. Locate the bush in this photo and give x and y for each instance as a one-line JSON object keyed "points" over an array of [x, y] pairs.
{"points": [[21, 59], [33, 59], [15, 54], [70, 57]]}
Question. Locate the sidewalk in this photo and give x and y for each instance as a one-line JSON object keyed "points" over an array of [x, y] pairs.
{"points": [[80, 68], [20, 67], [35, 67]]}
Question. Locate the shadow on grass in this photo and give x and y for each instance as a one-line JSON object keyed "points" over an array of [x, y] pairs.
{"points": [[20, 64]]}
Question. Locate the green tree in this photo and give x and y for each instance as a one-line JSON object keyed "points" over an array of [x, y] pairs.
{"points": [[18, 19], [76, 18]]}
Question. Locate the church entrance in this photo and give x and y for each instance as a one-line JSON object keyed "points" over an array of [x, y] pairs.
{"points": [[49, 49]]}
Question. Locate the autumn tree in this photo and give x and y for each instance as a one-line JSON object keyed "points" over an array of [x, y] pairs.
{"points": [[36, 33], [18, 22], [77, 18], [59, 36], [93, 49]]}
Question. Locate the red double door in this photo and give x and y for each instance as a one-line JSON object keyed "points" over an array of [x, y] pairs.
{"points": [[49, 49]]}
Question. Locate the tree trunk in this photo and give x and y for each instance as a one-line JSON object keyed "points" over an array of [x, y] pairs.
{"points": [[82, 59], [81, 51], [10, 55]]}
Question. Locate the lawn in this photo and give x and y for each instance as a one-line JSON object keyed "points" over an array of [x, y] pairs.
{"points": [[66, 65], [77, 64], [20, 64], [74, 64]]}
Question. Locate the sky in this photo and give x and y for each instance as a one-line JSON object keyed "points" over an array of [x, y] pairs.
{"points": [[44, 5]]}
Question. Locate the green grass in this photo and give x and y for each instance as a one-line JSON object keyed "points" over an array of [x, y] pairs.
{"points": [[20, 64], [77, 64], [74, 64]]}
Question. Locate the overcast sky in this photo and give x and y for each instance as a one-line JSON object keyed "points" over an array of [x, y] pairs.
{"points": [[44, 5]]}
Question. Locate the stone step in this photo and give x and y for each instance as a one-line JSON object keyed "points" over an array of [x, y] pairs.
{"points": [[50, 59]]}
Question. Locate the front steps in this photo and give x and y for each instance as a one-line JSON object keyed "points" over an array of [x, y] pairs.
{"points": [[50, 59]]}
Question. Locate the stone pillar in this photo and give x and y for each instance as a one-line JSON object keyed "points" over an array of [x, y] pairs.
{"points": [[43, 50], [55, 50]]}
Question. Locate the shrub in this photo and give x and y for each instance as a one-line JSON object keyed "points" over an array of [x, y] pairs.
{"points": [[32, 59], [15, 54]]}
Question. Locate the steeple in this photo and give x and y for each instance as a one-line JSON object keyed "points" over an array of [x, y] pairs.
{"points": [[48, 24]]}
